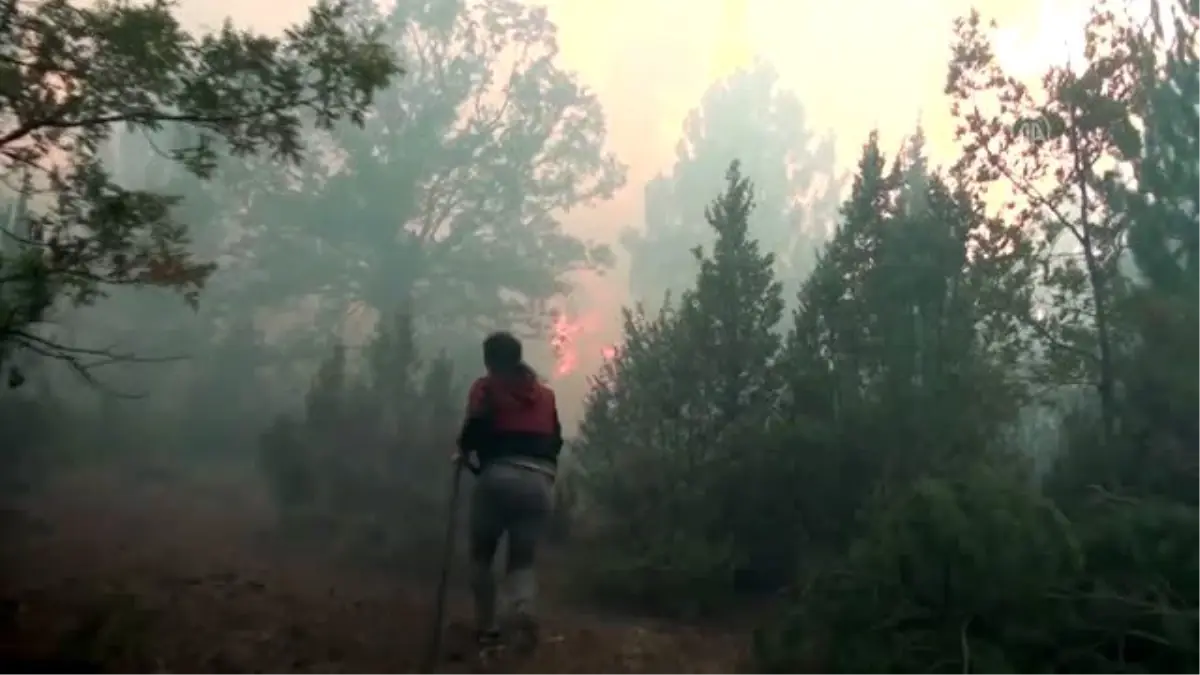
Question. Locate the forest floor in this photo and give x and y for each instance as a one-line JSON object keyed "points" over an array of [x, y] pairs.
{"points": [[103, 573]]}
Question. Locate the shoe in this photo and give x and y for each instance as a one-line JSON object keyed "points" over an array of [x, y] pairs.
{"points": [[525, 634]]}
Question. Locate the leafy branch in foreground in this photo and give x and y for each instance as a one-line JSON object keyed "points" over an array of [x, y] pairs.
{"points": [[70, 74]]}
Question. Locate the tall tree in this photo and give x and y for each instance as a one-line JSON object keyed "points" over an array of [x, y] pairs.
{"points": [[662, 430], [1157, 452], [70, 75], [1162, 201], [901, 358], [1058, 177], [709, 359], [828, 337], [730, 316], [452, 193], [747, 117]]}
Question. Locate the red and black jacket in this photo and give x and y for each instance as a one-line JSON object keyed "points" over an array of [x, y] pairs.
{"points": [[511, 416]]}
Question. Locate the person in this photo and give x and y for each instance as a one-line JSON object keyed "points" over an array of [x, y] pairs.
{"points": [[512, 429]]}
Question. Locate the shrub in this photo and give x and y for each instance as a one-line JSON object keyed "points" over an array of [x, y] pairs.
{"points": [[983, 573], [363, 469], [1134, 610], [952, 575]]}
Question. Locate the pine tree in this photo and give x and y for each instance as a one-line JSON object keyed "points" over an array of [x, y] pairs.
{"points": [[636, 417], [684, 375], [1157, 318], [828, 333], [886, 373], [728, 319], [664, 430]]}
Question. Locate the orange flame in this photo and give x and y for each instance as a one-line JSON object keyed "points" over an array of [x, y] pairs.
{"points": [[566, 334], [562, 340]]}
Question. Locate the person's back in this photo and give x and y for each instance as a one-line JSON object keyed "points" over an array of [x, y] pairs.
{"points": [[512, 427], [519, 420]]}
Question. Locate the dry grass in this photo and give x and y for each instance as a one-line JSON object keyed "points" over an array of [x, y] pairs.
{"points": [[155, 575]]}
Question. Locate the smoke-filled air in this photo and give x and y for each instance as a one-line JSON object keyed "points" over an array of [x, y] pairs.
{"points": [[670, 336]]}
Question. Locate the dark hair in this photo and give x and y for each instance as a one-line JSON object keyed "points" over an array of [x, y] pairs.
{"points": [[502, 355]]}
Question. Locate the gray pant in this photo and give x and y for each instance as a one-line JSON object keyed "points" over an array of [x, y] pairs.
{"points": [[517, 500]]}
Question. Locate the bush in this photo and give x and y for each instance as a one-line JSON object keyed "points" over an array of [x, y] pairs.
{"points": [[1134, 610], [949, 576], [678, 573], [364, 468], [983, 573], [663, 435]]}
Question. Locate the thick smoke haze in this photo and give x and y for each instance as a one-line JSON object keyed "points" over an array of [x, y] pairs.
{"points": [[855, 65], [870, 330]]}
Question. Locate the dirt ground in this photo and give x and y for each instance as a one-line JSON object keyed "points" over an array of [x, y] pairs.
{"points": [[102, 574]]}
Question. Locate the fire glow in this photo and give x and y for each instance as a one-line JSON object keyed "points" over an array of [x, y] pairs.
{"points": [[568, 335], [562, 340]]}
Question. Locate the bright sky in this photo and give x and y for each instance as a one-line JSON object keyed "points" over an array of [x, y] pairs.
{"points": [[856, 65]]}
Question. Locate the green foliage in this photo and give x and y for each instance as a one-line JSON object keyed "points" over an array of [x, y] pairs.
{"points": [[903, 332], [1134, 610], [880, 461], [960, 567], [681, 572], [981, 573], [911, 591], [451, 192], [868, 462], [1066, 183], [369, 451], [660, 437], [898, 364], [73, 74], [1153, 451]]}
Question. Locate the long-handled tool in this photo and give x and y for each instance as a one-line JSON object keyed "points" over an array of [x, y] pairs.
{"points": [[439, 610]]}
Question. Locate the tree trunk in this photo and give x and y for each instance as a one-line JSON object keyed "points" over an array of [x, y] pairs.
{"points": [[1099, 286]]}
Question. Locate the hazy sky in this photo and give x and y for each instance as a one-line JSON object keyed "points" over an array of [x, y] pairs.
{"points": [[856, 65]]}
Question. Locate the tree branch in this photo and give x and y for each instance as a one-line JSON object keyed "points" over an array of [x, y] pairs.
{"points": [[81, 360], [144, 117]]}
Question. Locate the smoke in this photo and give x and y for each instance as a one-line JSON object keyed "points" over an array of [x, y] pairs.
{"points": [[857, 65]]}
